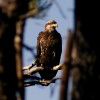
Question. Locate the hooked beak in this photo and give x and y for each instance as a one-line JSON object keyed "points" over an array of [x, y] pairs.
{"points": [[55, 25]]}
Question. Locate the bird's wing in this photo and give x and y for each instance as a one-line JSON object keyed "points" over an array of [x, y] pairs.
{"points": [[38, 50], [58, 47]]}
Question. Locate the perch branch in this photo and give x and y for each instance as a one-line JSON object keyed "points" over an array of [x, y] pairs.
{"points": [[40, 82], [58, 67], [34, 70], [30, 66], [37, 69]]}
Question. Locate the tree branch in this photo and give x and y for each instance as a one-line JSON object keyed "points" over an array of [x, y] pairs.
{"points": [[58, 67], [39, 68], [29, 66], [34, 70], [37, 80], [40, 82]]}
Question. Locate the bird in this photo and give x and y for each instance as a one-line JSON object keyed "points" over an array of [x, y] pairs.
{"points": [[48, 50]]}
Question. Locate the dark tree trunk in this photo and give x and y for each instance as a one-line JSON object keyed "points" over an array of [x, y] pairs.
{"points": [[84, 67], [11, 85], [86, 53]]}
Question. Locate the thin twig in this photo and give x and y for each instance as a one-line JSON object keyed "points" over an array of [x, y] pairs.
{"points": [[30, 66], [60, 9]]}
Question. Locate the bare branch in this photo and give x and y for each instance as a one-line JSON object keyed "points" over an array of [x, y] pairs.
{"points": [[29, 13], [37, 69], [40, 82], [29, 66], [33, 12], [30, 49], [58, 67], [60, 9], [34, 70]]}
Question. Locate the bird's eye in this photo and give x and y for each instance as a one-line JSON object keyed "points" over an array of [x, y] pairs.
{"points": [[55, 23]]}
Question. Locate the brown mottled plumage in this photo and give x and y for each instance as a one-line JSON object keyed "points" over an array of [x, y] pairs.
{"points": [[49, 48]]}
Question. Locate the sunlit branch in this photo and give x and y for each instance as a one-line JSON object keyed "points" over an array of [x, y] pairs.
{"points": [[58, 67], [30, 66], [34, 70], [39, 68]]}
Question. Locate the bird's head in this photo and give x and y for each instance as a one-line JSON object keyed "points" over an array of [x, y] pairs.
{"points": [[51, 25]]}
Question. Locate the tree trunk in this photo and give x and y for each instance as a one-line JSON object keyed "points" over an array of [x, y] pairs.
{"points": [[85, 65], [85, 53], [11, 83]]}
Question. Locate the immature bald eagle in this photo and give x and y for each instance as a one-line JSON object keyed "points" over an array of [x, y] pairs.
{"points": [[49, 48]]}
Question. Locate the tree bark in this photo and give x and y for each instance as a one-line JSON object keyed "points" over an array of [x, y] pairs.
{"points": [[11, 83], [66, 67], [85, 70]]}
